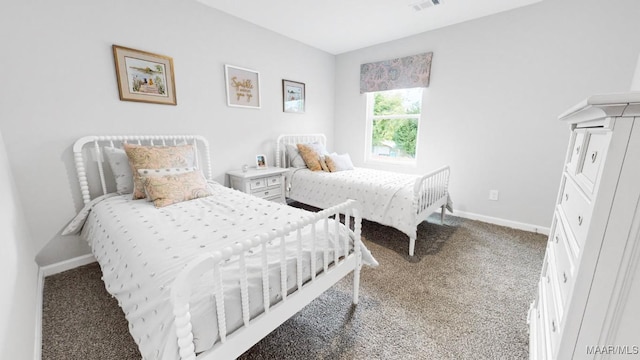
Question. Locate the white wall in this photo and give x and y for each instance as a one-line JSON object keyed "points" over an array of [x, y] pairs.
{"points": [[497, 86], [58, 84], [18, 271]]}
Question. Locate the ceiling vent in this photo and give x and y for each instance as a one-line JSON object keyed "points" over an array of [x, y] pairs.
{"points": [[423, 4]]}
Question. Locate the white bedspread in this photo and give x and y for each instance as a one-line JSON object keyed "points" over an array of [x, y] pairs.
{"points": [[141, 249], [386, 197]]}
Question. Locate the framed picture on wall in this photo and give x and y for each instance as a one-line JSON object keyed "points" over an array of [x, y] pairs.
{"points": [[144, 76], [292, 96], [243, 87], [261, 161]]}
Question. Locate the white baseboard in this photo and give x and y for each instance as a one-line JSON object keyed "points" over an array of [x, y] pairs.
{"points": [[503, 222], [67, 265]]}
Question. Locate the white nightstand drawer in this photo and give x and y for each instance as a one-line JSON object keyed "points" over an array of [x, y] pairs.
{"points": [[273, 180], [267, 193], [258, 184]]}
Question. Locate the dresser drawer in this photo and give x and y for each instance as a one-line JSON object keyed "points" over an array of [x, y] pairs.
{"points": [[537, 345], [596, 144], [564, 263], [258, 183], [548, 306], [267, 193], [577, 210], [577, 150]]}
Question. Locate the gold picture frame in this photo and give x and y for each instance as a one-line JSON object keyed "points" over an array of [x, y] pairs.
{"points": [[144, 76]]}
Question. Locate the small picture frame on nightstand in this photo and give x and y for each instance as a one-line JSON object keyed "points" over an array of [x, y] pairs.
{"points": [[261, 161]]}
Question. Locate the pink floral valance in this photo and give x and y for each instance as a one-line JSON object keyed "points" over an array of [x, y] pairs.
{"points": [[401, 73]]}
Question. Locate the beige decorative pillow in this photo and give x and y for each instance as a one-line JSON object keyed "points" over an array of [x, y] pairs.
{"points": [[156, 157], [310, 156], [330, 164], [323, 163], [170, 189]]}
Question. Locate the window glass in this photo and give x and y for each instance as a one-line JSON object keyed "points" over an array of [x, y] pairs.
{"points": [[393, 119]]}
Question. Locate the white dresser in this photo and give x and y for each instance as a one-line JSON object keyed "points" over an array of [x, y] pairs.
{"points": [[588, 300], [265, 183]]}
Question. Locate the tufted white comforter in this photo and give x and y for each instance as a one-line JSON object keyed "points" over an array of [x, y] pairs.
{"points": [[141, 249], [386, 197]]}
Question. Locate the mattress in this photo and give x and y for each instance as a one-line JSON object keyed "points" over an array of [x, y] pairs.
{"points": [[141, 249]]}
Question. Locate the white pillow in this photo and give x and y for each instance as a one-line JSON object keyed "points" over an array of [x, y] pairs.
{"points": [[340, 162], [119, 163], [163, 172], [294, 157]]}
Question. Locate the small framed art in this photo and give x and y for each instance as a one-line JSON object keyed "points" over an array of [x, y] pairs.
{"points": [[292, 96], [261, 161], [243, 87], [144, 76]]}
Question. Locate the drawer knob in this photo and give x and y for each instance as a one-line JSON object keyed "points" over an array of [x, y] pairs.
{"points": [[564, 277], [577, 150], [556, 237], [579, 219], [266, 193], [594, 156], [553, 325], [566, 197]]}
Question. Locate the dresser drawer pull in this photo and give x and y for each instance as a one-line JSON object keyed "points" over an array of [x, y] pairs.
{"points": [[556, 237], [553, 325], [579, 219], [564, 277], [266, 193], [566, 197], [594, 156], [577, 150]]}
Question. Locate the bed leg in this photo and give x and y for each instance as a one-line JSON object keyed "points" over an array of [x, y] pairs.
{"points": [[444, 207], [412, 245], [356, 285]]}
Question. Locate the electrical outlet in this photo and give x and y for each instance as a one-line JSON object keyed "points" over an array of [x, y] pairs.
{"points": [[493, 195]]}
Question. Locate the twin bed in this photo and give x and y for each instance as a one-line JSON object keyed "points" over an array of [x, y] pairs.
{"points": [[209, 277], [398, 200]]}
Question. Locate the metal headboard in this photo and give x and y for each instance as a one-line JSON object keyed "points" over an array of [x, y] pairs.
{"points": [[89, 149], [293, 139]]}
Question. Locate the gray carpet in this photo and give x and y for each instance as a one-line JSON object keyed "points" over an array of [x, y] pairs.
{"points": [[464, 295]]}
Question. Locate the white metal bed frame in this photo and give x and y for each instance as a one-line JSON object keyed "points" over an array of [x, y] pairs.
{"points": [[253, 329], [430, 191]]}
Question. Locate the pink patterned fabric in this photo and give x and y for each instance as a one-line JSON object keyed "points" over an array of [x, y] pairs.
{"points": [[401, 73]]}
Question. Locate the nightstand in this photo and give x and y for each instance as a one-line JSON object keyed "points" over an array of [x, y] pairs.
{"points": [[265, 183]]}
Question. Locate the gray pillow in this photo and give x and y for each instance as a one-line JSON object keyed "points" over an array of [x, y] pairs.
{"points": [[119, 163], [294, 157]]}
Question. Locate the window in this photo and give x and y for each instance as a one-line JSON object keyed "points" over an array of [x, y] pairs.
{"points": [[393, 119]]}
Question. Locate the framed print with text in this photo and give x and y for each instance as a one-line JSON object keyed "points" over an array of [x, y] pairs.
{"points": [[243, 87]]}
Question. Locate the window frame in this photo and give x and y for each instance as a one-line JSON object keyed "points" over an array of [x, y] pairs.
{"points": [[369, 157]]}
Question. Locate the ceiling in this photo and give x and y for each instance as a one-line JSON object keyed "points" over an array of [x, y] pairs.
{"points": [[338, 26]]}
